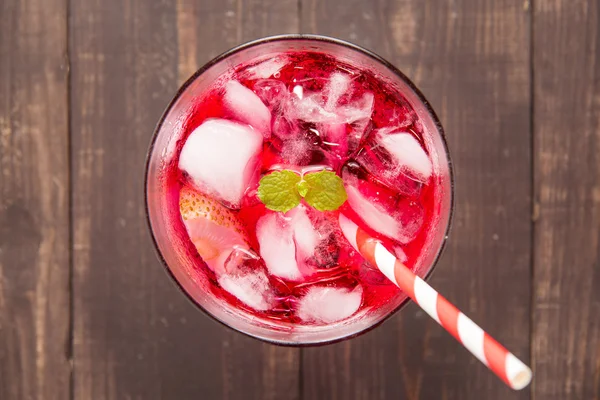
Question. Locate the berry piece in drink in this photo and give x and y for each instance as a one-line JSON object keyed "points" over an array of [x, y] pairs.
{"points": [[213, 229]]}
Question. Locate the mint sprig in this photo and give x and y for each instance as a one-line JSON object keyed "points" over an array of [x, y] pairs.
{"points": [[282, 190], [303, 187], [325, 190], [277, 190]]}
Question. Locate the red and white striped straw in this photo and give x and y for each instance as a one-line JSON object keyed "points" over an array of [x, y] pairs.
{"points": [[503, 363]]}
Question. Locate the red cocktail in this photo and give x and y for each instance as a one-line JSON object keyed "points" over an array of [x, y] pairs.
{"points": [[256, 158]]}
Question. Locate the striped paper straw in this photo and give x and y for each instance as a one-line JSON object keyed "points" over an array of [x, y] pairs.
{"points": [[509, 368]]}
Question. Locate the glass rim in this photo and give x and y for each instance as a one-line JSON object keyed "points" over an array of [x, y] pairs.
{"points": [[312, 38]]}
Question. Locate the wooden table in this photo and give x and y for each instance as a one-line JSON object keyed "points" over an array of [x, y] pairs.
{"points": [[87, 312]]}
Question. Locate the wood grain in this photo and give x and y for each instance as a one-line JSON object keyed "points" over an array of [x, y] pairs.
{"points": [[34, 201], [208, 28], [136, 337], [135, 334], [566, 335], [471, 59]]}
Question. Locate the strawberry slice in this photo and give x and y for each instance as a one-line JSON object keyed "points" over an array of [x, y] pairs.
{"points": [[213, 229]]}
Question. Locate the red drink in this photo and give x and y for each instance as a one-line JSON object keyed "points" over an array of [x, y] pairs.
{"points": [[301, 111]]}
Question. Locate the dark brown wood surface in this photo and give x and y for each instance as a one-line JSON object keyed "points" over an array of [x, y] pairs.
{"points": [[566, 297], [35, 347], [86, 311]]}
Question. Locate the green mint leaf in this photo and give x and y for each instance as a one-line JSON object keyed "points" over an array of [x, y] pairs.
{"points": [[303, 188], [277, 190], [325, 190]]}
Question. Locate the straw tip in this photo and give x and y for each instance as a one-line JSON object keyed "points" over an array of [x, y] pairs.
{"points": [[518, 373], [522, 379]]}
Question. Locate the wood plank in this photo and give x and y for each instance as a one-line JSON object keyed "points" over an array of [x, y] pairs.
{"points": [[471, 59], [566, 323], [236, 22], [34, 201], [136, 336]]}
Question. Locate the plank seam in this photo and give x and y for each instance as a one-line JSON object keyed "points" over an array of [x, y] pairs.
{"points": [[70, 349], [533, 191]]}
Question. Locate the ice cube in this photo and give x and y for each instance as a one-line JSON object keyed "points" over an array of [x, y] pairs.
{"points": [[384, 167], [294, 244], [402, 117], [247, 107], [342, 140], [245, 278], [331, 104], [283, 127], [398, 218], [314, 168], [408, 153], [241, 260], [273, 93], [375, 216], [358, 130], [357, 122], [221, 159], [337, 85], [252, 289], [277, 247], [266, 69], [326, 305], [359, 110], [335, 139], [306, 236], [319, 240], [341, 128], [301, 151], [250, 286], [311, 108]]}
